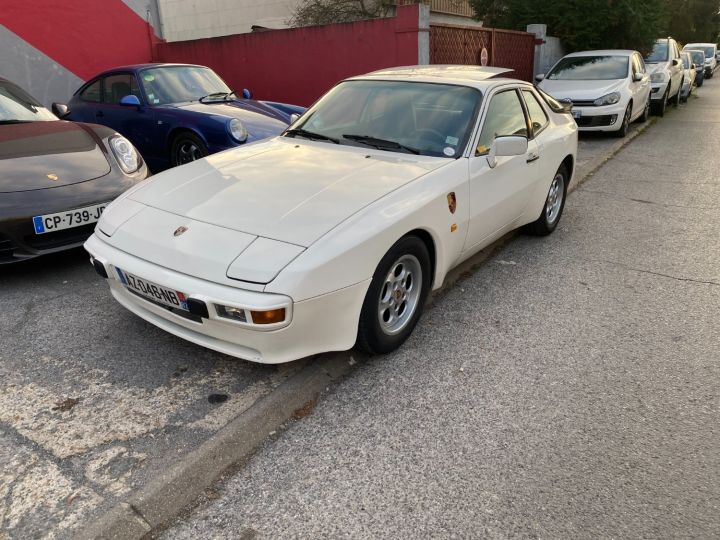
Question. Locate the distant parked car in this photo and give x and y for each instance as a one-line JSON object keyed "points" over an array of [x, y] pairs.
{"points": [[175, 113], [698, 58], [666, 74], [608, 89], [688, 77], [711, 52], [56, 177]]}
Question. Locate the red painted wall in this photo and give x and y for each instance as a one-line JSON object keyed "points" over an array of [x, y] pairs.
{"points": [[84, 36], [299, 65]]}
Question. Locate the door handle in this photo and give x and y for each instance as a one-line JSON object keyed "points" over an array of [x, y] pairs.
{"points": [[99, 114], [532, 157]]}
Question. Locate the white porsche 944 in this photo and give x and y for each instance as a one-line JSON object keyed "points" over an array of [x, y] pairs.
{"points": [[333, 234]]}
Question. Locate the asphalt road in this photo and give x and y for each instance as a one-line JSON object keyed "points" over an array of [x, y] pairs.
{"points": [[567, 389]]}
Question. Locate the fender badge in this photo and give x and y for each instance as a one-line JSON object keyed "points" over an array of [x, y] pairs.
{"points": [[180, 231], [52, 176], [452, 202]]}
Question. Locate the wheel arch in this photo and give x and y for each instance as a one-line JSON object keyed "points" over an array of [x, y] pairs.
{"points": [[429, 241], [179, 129]]}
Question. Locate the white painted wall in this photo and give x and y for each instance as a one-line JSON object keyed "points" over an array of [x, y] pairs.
{"points": [[194, 19], [547, 53]]}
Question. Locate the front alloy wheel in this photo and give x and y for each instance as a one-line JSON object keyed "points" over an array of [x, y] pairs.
{"points": [[395, 298], [186, 148], [622, 131]]}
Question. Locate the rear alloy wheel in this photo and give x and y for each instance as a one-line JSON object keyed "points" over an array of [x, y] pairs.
{"points": [[186, 148], [395, 298], [554, 205], [622, 131], [646, 112], [678, 96]]}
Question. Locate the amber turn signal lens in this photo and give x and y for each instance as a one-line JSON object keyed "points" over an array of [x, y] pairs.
{"points": [[268, 317]]}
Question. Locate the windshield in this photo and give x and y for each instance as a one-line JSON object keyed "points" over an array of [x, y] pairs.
{"points": [[698, 57], [658, 54], [16, 105], [709, 50], [590, 68], [179, 84], [399, 116]]}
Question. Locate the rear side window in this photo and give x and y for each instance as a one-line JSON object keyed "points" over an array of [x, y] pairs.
{"points": [[538, 118], [118, 86], [505, 116], [92, 92]]}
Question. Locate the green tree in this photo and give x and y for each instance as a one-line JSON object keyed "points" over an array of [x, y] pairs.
{"points": [[312, 12], [583, 24], [694, 20]]}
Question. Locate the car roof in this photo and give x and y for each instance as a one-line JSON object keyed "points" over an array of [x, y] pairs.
{"points": [[703, 44], [139, 67], [436, 73], [604, 52]]}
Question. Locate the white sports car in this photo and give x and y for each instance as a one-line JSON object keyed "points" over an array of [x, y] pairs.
{"points": [[334, 233]]}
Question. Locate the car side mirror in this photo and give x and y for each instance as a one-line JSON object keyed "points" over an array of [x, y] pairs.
{"points": [[637, 77], [510, 145], [675, 62], [539, 77], [247, 94], [59, 109], [130, 101], [294, 117]]}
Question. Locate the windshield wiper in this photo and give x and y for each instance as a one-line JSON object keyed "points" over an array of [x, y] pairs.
{"points": [[311, 135], [222, 95], [15, 121], [381, 144]]}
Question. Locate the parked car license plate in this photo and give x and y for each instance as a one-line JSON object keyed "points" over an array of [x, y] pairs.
{"points": [[153, 291], [67, 220], [576, 113]]}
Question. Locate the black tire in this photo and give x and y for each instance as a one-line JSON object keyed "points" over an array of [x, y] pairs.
{"points": [[646, 113], [678, 97], [372, 336], [185, 148], [545, 225], [699, 84], [660, 108], [625, 125]]}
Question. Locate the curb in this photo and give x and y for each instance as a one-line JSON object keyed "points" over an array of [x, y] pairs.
{"points": [[163, 498]]}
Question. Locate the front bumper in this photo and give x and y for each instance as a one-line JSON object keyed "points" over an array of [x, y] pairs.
{"points": [[606, 118], [324, 323], [18, 240], [657, 91]]}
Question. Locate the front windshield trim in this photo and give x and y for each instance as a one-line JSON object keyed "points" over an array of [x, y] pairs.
{"points": [[463, 142]]}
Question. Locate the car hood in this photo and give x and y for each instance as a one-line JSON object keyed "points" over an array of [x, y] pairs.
{"points": [[41, 155], [290, 190], [654, 68], [580, 90], [260, 120]]}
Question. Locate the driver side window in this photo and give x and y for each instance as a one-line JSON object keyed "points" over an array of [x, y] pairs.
{"points": [[505, 116]]}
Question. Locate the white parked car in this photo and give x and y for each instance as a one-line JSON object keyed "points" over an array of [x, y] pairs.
{"points": [[688, 76], [335, 232], [666, 74], [711, 53], [608, 89]]}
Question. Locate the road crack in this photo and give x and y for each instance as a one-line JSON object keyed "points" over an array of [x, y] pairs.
{"points": [[659, 274], [645, 201]]}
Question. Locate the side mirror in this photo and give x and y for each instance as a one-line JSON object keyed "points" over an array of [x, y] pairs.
{"points": [[294, 117], [692, 66], [130, 101], [637, 77], [247, 94], [59, 109], [510, 145], [675, 62], [539, 77]]}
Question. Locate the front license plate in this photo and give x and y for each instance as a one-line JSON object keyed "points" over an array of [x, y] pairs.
{"points": [[67, 220], [577, 114], [153, 291]]}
